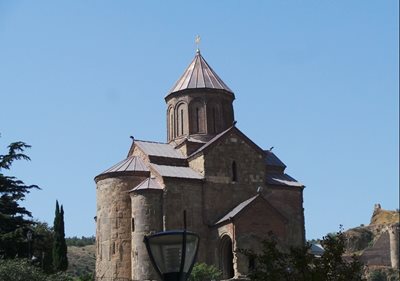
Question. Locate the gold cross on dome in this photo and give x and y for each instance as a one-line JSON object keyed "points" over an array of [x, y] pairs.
{"points": [[197, 41]]}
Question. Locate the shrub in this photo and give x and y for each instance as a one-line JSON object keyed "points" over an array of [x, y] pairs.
{"points": [[21, 270], [204, 272], [377, 276]]}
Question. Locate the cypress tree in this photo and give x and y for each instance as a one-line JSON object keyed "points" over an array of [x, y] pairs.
{"points": [[60, 260]]}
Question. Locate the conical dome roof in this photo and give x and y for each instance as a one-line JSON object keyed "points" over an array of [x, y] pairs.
{"points": [[199, 75]]}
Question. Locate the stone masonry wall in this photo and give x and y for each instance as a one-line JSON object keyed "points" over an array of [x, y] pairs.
{"points": [[180, 195], [219, 183], [146, 219], [289, 202], [113, 228]]}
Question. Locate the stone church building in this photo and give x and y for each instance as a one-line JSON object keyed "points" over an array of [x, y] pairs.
{"points": [[234, 192]]}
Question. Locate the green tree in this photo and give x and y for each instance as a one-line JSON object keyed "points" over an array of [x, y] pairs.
{"points": [[14, 219], [297, 264], [378, 276], [204, 272], [60, 259], [43, 245], [21, 270]]}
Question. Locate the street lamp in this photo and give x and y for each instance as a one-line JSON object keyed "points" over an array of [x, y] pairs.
{"points": [[173, 253]]}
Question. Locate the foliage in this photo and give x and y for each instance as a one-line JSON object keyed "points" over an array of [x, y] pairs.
{"points": [[80, 242], [14, 219], [60, 259], [298, 264], [204, 272], [42, 245], [85, 277], [377, 276], [21, 270]]}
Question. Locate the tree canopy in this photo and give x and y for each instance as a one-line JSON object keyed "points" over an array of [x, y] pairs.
{"points": [[14, 218], [298, 264], [60, 259]]}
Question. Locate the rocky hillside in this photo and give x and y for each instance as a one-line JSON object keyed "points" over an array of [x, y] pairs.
{"points": [[372, 244], [81, 260]]}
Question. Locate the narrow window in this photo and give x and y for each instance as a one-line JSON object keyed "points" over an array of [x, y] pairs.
{"points": [[133, 225], [197, 120], [234, 172], [214, 120], [181, 122], [113, 248]]}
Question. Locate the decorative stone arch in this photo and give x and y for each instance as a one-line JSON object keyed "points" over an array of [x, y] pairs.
{"points": [[226, 256], [171, 123], [197, 117], [181, 119]]}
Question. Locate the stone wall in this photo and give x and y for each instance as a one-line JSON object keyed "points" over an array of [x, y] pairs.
{"points": [[289, 202], [146, 219], [180, 195], [220, 182], [113, 228]]}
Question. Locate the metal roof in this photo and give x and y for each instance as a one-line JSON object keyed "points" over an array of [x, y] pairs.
{"points": [[317, 249], [149, 183], [237, 209], [176, 172], [272, 160], [159, 149], [283, 179], [132, 163], [198, 75], [210, 142]]}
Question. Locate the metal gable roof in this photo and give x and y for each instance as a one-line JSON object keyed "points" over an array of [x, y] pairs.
{"points": [[132, 163], [149, 183], [176, 172], [237, 209], [159, 149], [283, 179], [199, 74], [272, 160]]}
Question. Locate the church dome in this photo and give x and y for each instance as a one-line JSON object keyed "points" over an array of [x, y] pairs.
{"points": [[199, 105], [199, 75]]}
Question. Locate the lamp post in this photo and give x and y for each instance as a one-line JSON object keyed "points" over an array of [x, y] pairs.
{"points": [[29, 237], [173, 253]]}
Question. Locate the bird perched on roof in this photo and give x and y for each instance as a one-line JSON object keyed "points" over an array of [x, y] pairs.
{"points": [[133, 139], [270, 149]]}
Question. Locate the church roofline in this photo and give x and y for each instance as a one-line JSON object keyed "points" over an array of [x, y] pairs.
{"points": [[283, 180], [131, 165], [241, 207], [199, 75], [220, 137], [147, 184]]}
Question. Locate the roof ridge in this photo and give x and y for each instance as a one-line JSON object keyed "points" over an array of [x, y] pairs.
{"points": [[151, 141], [211, 141]]}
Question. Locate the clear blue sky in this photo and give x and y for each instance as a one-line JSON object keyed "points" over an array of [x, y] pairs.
{"points": [[318, 80]]}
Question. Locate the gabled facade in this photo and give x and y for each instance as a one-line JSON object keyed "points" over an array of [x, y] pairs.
{"points": [[234, 192]]}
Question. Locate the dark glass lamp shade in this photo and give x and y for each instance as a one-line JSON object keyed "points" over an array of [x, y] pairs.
{"points": [[173, 253]]}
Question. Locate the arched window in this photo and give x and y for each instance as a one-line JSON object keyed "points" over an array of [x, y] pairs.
{"points": [[234, 172], [181, 126], [171, 133], [196, 117]]}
